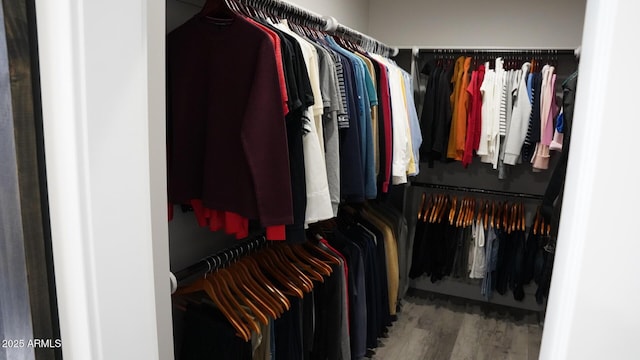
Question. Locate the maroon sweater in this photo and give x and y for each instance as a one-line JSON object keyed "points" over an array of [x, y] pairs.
{"points": [[226, 129]]}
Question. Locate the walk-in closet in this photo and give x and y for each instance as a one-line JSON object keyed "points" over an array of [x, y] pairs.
{"points": [[270, 179]]}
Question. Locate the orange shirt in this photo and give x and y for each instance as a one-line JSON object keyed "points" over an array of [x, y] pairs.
{"points": [[459, 104]]}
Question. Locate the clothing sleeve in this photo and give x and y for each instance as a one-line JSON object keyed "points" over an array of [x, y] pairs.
{"points": [[264, 140], [401, 158]]}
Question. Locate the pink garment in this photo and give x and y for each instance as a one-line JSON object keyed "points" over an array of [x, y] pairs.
{"points": [[556, 143], [547, 131], [548, 109]]}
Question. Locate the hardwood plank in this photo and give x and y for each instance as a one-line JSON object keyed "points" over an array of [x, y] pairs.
{"points": [[473, 338], [443, 325], [402, 334], [410, 345], [437, 329], [534, 341], [519, 346]]}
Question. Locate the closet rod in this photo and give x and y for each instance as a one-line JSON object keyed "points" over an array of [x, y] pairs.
{"points": [[477, 190], [510, 51], [325, 23], [215, 261]]}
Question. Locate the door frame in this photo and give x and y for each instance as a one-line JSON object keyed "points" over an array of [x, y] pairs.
{"points": [[110, 236]]}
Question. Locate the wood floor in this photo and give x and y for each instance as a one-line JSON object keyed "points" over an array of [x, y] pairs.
{"points": [[436, 328]]}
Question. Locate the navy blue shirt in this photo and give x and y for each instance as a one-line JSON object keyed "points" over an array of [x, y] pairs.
{"points": [[351, 175]]}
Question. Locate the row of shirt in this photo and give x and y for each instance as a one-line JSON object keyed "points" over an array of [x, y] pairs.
{"points": [[273, 125], [503, 258], [341, 318], [505, 117], [369, 241]]}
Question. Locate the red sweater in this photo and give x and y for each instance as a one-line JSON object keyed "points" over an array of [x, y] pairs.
{"points": [[226, 129], [474, 116]]}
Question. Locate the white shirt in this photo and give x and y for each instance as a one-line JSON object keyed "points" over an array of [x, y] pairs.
{"points": [[487, 112], [315, 170], [401, 155]]}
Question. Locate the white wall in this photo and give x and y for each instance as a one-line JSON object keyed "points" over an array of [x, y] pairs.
{"points": [[489, 23], [593, 310], [351, 13], [102, 83]]}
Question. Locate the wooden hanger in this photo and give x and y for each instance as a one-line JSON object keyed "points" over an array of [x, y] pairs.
{"points": [[229, 313], [509, 218], [486, 214], [461, 212], [515, 217], [468, 212], [434, 209], [433, 201], [303, 265], [505, 216], [452, 211], [318, 264], [536, 221], [464, 219], [254, 268], [290, 286], [273, 305], [428, 215], [480, 211], [523, 219], [493, 213], [258, 295], [226, 293], [327, 257], [294, 274], [443, 207], [465, 212], [472, 211], [423, 199], [427, 208], [241, 297]]}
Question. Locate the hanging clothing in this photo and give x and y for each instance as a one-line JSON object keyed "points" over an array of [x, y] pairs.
{"points": [[230, 130], [207, 332], [519, 119], [478, 263], [414, 124], [460, 105], [365, 99], [474, 120], [386, 130], [344, 123], [317, 186]]}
